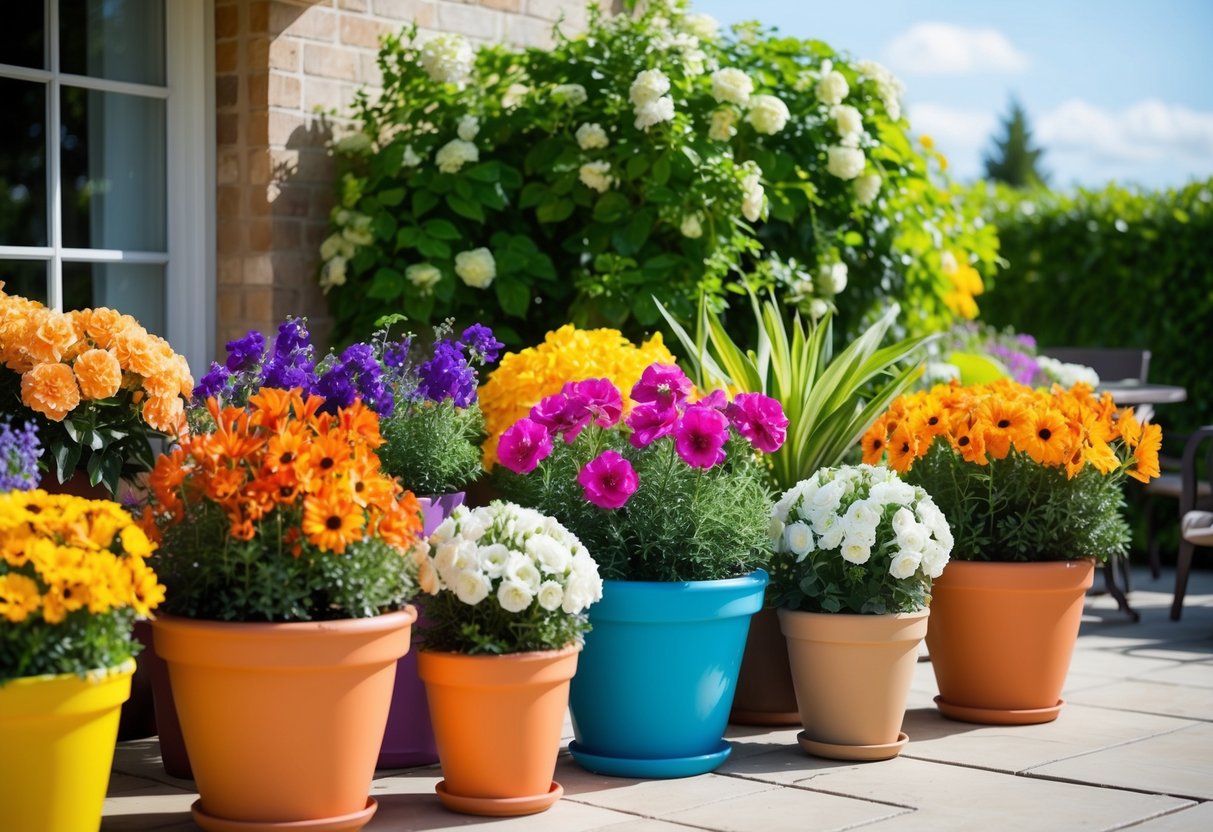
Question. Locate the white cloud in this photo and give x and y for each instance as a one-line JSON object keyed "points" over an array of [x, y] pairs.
{"points": [[1147, 131], [948, 49], [959, 133]]}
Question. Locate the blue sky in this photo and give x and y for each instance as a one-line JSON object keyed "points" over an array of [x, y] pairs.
{"points": [[1119, 89]]}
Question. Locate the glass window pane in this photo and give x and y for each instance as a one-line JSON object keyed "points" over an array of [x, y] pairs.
{"points": [[23, 164], [113, 149], [26, 278], [122, 40], [134, 288], [23, 35]]}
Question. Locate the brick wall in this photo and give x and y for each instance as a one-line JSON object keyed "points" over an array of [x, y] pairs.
{"points": [[277, 63]]}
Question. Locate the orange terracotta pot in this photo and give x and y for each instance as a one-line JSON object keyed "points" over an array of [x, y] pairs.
{"points": [[497, 721], [283, 722], [852, 675], [765, 695], [1002, 635]]}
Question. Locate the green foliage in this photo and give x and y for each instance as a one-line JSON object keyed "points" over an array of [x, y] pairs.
{"points": [[433, 448], [829, 400], [1112, 268], [82, 642], [1015, 161], [486, 628], [587, 226]]}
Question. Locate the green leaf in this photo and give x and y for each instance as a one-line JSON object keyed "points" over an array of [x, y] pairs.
{"points": [[384, 225], [533, 194], [465, 207], [852, 238], [423, 202], [541, 266], [388, 284], [661, 170], [442, 230], [637, 165], [555, 210], [514, 297], [391, 197], [434, 249], [484, 172], [408, 237], [611, 207], [510, 261], [67, 457]]}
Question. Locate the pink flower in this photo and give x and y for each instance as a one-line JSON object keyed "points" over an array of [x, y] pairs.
{"points": [[524, 445], [650, 422], [600, 396], [664, 384], [716, 400], [700, 436], [564, 414], [759, 419], [608, 480]]}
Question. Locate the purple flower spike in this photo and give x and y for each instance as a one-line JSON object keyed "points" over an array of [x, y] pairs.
{"points": [[479, 339], [601, 398], [759, 419], [213, 383], [19, 453], [447, 375], [650, 422], [245, 352], [608, 480], [700, 436], [664, 384], [523, 446]]}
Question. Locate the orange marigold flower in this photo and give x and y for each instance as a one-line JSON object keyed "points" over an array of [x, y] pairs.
{"points": [[1146, 454], [138, 352], [331, 526], [1100, 455], [98, 373], [49, 336], [50, 389]]}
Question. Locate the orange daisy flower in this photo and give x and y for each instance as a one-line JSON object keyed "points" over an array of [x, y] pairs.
{"points": [[331, 525], [1045, 437], [902, 447], [1146, 454], [1003, 419], [970, 442], [873, 442]]}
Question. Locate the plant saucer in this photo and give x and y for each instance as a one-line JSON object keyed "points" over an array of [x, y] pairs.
{"points": [[499, 806], [853, 753], [339, 823], [647, 769], [999, 716]]}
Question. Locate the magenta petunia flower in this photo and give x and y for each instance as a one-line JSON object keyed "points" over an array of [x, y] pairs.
{"points": [[650, 422], [563, 414], [524, 445], [717, 400], [759, 419], [663, 384], [608, 480], [601, 397], [700, 436]]}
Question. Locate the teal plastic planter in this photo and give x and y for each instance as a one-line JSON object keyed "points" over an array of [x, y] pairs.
{"points": [[656, 678]]}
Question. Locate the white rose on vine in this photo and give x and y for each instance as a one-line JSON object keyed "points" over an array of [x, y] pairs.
{"points": [[423, 275], [448, 59], [731, 85], [768, 114], [476, 268], [845, 162], [723, 125], [596, 176], [592, 137], [468, 127], [455, 154]]}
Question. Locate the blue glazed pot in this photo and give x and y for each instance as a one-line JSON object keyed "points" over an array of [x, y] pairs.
{"points": [[656, 679]]}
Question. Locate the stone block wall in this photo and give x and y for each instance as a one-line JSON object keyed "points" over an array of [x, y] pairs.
{"points": [[280, 64]]}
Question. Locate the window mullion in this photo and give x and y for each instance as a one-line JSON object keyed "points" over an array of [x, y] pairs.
{"points": [[54, 274]]}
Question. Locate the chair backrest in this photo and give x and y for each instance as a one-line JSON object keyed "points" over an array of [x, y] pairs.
{"points": [[1110, 364]]}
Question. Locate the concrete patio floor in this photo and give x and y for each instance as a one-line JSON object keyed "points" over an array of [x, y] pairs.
{"points": [[1133, 748]]}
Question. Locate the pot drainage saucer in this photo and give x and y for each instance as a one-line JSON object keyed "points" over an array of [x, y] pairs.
{"points": [[339, 823], [999, 716], [646, 768], [499, 806], [853, 753]]}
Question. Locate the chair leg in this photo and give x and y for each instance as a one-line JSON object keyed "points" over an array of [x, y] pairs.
{"points": [[1183, 565], [1152, 538]]}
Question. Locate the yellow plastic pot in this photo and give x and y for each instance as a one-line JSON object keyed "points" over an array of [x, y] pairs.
{"points": [[57, 736]]}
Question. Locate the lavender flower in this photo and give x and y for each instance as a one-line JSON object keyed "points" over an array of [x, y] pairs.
{"points": [[447, 375], [245, 352], [213, 383], [479, 340], [19, 453]]}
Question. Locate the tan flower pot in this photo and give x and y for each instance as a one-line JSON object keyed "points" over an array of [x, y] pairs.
{"points": [[765, 695]]}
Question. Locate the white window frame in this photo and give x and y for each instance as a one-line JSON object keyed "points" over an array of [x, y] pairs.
{"points": [[189, 259]]}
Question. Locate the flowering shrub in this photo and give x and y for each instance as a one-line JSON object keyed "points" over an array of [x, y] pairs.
{"points": [[73, 576], [674, 492], [19, 452], [856, 539], [429, 417], [567, 354], [98, 386], [506, 579], [1021, 474], [1013, 355], [281, 513], [653, 156]]}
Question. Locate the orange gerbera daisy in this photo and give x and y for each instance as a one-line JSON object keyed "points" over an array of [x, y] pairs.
{"points": [[873, 442], [970, 442], [331, 525], [1045, 436], [902, 447], [1004, 419], [1100, 455], [285, 448], [1146, 454]]}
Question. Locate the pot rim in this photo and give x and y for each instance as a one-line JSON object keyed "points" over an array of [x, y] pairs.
{"points": [[680, 601]]}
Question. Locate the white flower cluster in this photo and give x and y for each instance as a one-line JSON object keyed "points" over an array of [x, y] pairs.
{"points": [[753, 195], [765, 113], [832, 86], [468, 127], [514, 555], [702, 26], [592, 137], [859, 510], [832, 278], [569, 94], [424, 276], [448, 59], [649, 99], [1066, 374], [888, 86], [476, 268], [596, 176], [455, 154], [339, 247]]}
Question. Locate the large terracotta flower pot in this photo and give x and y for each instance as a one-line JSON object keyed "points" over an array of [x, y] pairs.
{"points": [[852, 675], [57, 736], [283, 722], [498, 721], [656, 680], [408, 739], [173, 756], [1001, 637], [765, 695]]}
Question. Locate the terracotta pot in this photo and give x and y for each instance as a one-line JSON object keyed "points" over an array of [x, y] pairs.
{"points": [[283, 721], [57, 737], [1001, 637], [852, 675], [173, 756], [765, 695], [77, 485], [498, 721]]}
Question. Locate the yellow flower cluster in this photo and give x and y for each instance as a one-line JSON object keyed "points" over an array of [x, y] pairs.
{"points": [[1060, 428], [568, 354], [66, 358], [966, 285], [60, 554]]}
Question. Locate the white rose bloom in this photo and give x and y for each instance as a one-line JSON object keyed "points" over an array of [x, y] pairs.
{"points": [[550, 595], [654, 112], [818, 308], [832, 278], [513, 596], [832, 539], [888, 86], [903, 518], [596, 176], [650, 85], [694, 61], [829, 496], [591, 137], [854, 551], [468, 127], [732, 85], [493, 559], [913, 537], [847, 119], [476, 268], [768, 114], [832, 88], [333, 273], [798, 537], [894, 491], [723, 122], [867, 188], [692, 226], [753, 197], [471, 587], [334, 245], [702, 26], [905, 563], [521, 569], [411, 159], [444, 532], [570, 94], [448, 59], [513, 95], [552, 556], [455, 154], [934, 559], [423, 275], [844, 162], [354, 144]]}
